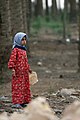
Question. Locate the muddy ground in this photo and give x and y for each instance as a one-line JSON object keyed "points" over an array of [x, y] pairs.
{"points": [[56, 63]]}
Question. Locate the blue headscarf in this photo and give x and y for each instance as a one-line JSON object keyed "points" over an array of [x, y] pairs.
{"points": [[17, 39]]}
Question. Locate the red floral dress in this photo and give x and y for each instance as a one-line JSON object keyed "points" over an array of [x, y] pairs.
{"points": [[20, 82]]}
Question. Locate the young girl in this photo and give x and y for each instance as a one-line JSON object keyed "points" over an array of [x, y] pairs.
{"points": [[18, 63]]}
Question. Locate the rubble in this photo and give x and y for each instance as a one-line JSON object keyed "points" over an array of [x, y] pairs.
{"points": [[62, 105]]}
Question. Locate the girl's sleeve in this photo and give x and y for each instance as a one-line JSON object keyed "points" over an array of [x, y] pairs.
{"points": [[28, 66], [30, 71], [12, 60]]}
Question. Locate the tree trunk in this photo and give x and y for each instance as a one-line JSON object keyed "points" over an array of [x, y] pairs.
{"points": [[79, 37], [17, 16], [65, 19], [5, 31], [54, 9], [6, 19], [38, 8], [24, 14], [73, 11], [14, 17], [47, 11], [28, 10]]}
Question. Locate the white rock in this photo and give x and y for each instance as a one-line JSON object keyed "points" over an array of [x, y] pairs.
{"points": [[77, 39], [48, 71], [39, 63], [18, 116], [65, 92], [34, 43], [39, 109], [67, 40], [72, 112], [4, 116]]}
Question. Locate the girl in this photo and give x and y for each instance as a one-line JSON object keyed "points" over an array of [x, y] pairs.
{"points": [[18, 63]]}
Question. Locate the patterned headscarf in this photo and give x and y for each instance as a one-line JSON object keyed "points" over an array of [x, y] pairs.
{"points": [[17, 39]]}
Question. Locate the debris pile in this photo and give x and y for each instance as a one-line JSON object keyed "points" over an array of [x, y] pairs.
{"points": [[62, 105]]}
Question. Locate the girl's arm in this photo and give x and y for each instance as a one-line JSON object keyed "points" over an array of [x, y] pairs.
{"points": [[12, 60], [30, 71]]}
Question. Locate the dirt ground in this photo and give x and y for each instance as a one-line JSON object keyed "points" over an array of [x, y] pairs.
{"points": [[56, 63]]}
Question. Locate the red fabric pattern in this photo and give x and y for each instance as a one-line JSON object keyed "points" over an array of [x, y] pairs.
{"points": [[20, 82]]}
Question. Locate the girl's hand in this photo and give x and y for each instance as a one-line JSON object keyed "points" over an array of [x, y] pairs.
{"points": [[13, 72], [30, 71]]}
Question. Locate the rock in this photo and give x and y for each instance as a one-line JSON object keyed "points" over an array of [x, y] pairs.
{"points": [[39, 63], [48, 71], [72, 112], [57, 111], [67, 40], [38, 109], [61, 76], [67, 92], [34, 43], [18, 116], [4, 116], [74, 97]]}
